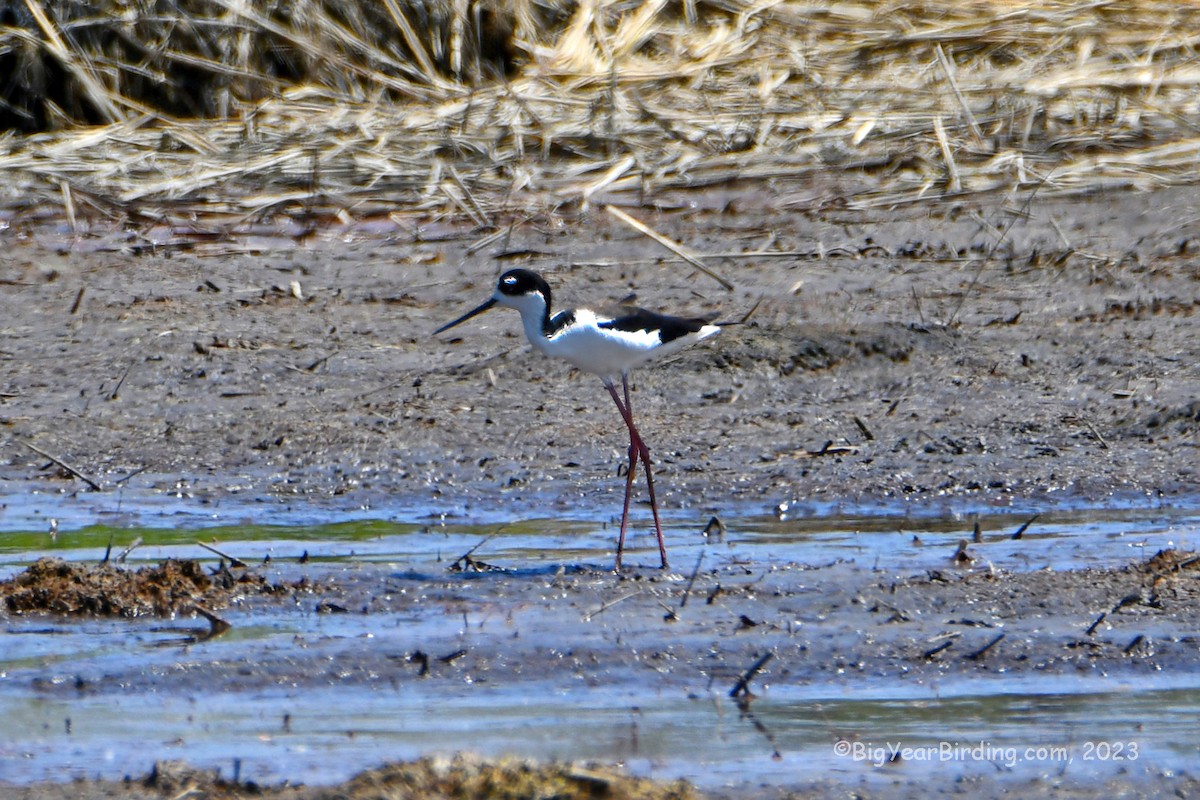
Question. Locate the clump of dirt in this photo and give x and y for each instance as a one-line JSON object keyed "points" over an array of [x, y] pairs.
{"points": [[1181, 420], [818, 348], [51, 585], [1172, 560], [466, 777], [461, 778]]}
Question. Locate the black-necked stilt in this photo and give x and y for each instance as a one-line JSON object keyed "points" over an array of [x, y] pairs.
{"points": [[605, 346]]}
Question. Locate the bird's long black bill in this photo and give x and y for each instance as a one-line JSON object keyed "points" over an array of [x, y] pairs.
{"points": [[491, 302]]}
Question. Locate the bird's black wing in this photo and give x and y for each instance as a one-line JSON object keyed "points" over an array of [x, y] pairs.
{"points": [[669, 328]]}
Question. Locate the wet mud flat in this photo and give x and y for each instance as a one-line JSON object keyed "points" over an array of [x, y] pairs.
{"points": [[988, 352], [911, 360], [747, 674]]}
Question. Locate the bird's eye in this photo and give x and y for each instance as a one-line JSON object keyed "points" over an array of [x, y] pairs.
{"points": [[510, 281]]}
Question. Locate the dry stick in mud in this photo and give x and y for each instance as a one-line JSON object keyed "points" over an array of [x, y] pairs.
{"points": [[743, 684], [1021, 530], [981, 652], [945, 645], [714, 526], [116, 390], [216, 624], [124, 554], [991, 250], [89, 481], [674, 247], [692, 580], [465, 561], [606, 606], [233, 560]]}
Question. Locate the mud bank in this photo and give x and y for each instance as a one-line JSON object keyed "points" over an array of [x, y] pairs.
{"points": [[918, 359]]}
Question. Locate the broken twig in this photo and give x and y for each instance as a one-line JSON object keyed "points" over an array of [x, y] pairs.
{"points": [[233, 560], [743, 684], [674, 247], [692, 580], [93, 484], [981, 652], [588, 616], [1021, 530]]}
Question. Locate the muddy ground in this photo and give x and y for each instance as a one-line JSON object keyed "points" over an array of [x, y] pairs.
{"points": [[1063, 364], [440, 633], [978, 355]]}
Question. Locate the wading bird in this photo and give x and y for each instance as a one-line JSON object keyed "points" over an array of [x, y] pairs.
{"points": [[604, 346]]}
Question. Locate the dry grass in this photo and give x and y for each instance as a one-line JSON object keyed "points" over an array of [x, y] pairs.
{"points": [[463, 777], [492, 112], [51, 585]]}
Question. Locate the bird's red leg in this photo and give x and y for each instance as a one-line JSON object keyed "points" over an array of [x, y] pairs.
{"points": [[644, 452], [629, 473]]}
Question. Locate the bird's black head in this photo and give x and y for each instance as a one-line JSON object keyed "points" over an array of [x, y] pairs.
{"points": [[518, 288], [520, 282]]}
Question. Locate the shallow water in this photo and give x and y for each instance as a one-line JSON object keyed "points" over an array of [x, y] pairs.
{"points": [[1066, 539], [107, 697], [331, 734]]}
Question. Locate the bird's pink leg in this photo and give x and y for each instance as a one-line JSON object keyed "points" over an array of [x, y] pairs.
{"points": [[629, 472], [645, 454], [637, 448]]}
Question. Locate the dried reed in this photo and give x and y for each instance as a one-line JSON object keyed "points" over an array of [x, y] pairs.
{"points": [[233, 112]]}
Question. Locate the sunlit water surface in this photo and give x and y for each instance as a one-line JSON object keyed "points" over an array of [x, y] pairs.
{"points": [[1084, 728]]}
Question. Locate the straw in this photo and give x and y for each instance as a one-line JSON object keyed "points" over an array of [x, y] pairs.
{"points": [[499, 111]]}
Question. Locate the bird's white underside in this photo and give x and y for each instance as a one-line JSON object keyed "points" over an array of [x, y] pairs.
{"points": [[601, 351]]}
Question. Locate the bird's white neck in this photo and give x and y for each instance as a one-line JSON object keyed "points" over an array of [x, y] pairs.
{"points": [[534, 316]]}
